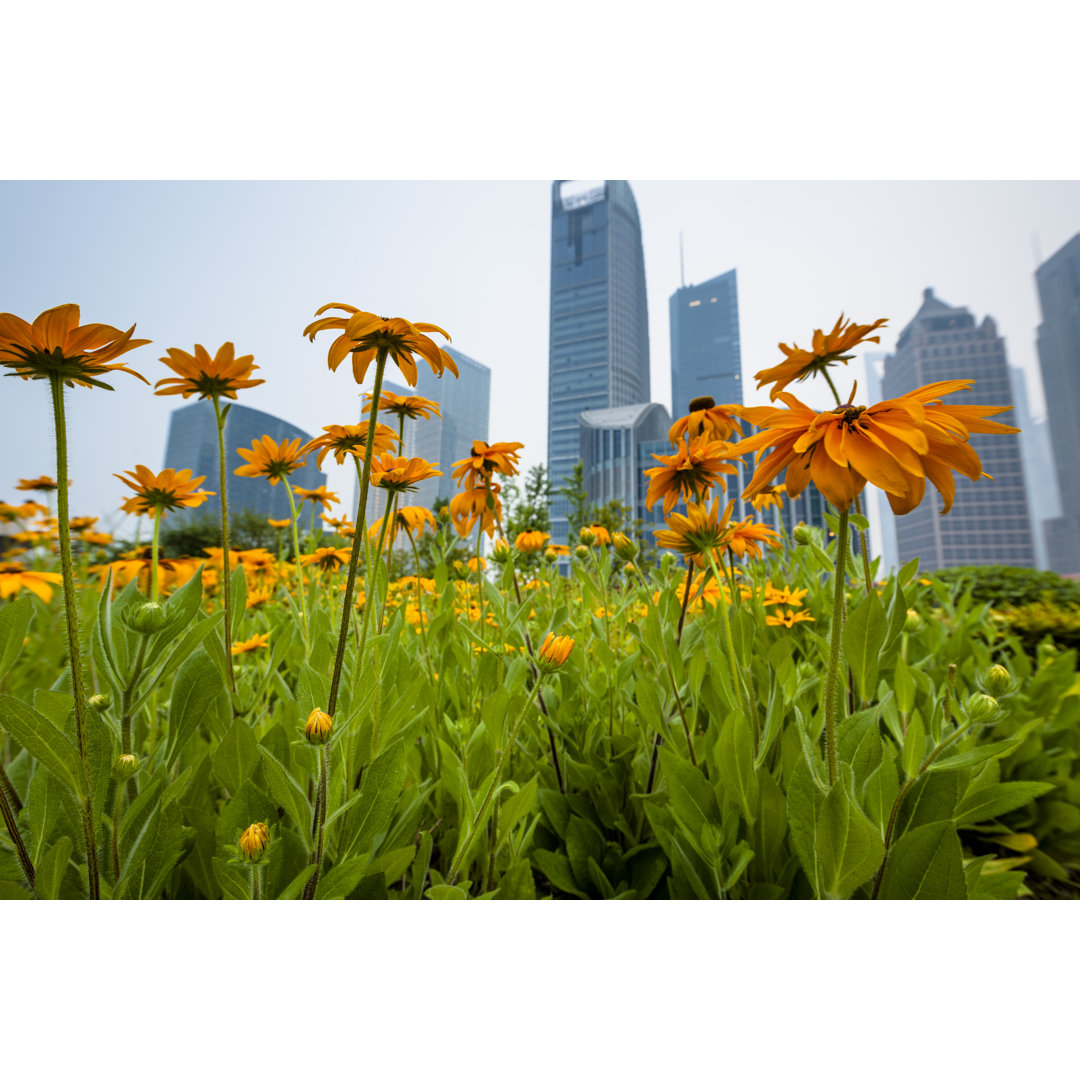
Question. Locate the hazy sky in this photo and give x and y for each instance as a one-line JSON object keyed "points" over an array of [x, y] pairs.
{"points": [[250, 262]]}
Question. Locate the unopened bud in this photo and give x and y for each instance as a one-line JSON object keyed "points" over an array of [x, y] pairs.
{"points": [[254, 841], [318, 727], [501, 551], [147, 618], [913, 621], [554, 652], [587, 538], [981, 708], [98, 701], [444, 513], [126, 766], [551, 556], [581, 551], [997, 681], [801, 534], [624, 547]]}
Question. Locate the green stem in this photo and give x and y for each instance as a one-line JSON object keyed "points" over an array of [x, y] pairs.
{"points": [[420, 605], [16, 838], [226, 567], [319, 822], [72, 618], [154, 556], [378, 557], [729, 646], [299, 570], [832, 680]]}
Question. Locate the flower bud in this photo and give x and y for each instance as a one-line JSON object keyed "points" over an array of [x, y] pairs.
{"points": [[501, 551], [997, 681], [147, 618], [444, 513], [581, 551], [982, 708], [801, 534], [98, 701], [554, 652], [125, 766], [551, 556], [318, 727], [625, 548], [254, 841], [913, 622], [587, 538]]}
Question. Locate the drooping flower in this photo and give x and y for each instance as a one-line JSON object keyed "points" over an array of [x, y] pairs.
{"points": [[365, 335], [317, 495], [326, 558], [477, 504], [404, 407], [594, 534], [220, 376], [531, 541], [55, 345], [715, 422], [158, 493], [698, 531], [486, 460], [400, 474], [827, 348], [14, 577], [351, 439], [689, 473], [771, 495], [39, 483], [747, 536], [270, 459], [259, 641]]}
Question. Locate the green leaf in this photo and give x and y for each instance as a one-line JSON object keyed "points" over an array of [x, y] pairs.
{"points": [[986, 752], [232, 882], [904, 686], [380, 788], [295, 887], [14, 622], [198, 694], [735, 763], [338, 882], [446, 892], [287, 793], [555, 866], [517, 883], [49, 872], [864, 635], [692, 797], [997, 799], [925, 864], [914, 746], [238, 601], [43, 741], [907, 572], [237, 756]]}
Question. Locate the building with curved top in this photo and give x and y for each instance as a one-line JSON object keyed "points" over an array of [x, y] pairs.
{"points": [[599, 321]]}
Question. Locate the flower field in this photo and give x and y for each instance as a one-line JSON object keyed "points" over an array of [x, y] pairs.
{"points": [[384, 710]]}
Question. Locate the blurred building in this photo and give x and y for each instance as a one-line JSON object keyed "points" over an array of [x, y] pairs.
{"points": [[599, 322], [875, 504], [705, 355], [1039, 479], [989, 521], [192, 443], [1058, 282]]}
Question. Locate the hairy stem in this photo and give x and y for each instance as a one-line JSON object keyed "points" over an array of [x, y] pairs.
{"points": [[226, 567]]}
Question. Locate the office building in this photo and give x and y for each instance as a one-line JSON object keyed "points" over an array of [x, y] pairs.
{"points": [[192, 443], [599, 323], [1058, 282], [1039, 479], [989, 520], [705, 356], [875, 504]]}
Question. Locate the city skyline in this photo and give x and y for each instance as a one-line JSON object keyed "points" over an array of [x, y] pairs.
{"points": [[250, 262]]}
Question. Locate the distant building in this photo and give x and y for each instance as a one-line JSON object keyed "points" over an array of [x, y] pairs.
{"points": [[705, 354], [1058, 281], [192, 443], [465, 404], [989, 520], [599, 321], [1039, 479], [876, 505]]}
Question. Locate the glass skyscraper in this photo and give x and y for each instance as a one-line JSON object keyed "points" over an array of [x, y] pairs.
{"points": [[192, 443], [1058, 281], [599, 321], [705, 355], [989, 520]]}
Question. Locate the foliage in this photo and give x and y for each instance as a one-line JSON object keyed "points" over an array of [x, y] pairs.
{"points": [[192, 534], [573, 490], [1011, 586], [530, 511]]}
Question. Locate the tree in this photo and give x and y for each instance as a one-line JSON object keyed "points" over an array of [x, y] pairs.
{"points": [[192, 534], [531, 511], [574, 492]]}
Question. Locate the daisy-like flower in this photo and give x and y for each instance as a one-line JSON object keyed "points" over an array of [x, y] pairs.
{"points": [[257, 560], [279, 523], [56, 346], [716, 422], [531, 541], [14, 577], [220, 376], [39, 483], [317, 495], [894, 445], [22, 512], [404, 407], [747, 536], [771, 495], [366, 335], [698, 531], [158, 493], [257, 598], [80, 524], [88, 537], [787, 596], [471, 564], [555, 551], [600, 535], [270, 459], [351, 439], [216, 558], [400, 474], [414, 519], [827, 349], [477, 504], [336, 523], [326, 558], [259, 641], [788, 618], [689, 473], [486, 460]]}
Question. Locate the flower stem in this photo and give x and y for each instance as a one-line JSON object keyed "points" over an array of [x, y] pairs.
{"points": [[319, 823], [16, 839], [833, 701], [729, 645], [226, 569], [299, 571], [72, 618], [154, 556]]}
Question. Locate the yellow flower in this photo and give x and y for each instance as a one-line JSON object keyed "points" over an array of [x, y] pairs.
{"points": [[599, 534], [79, 524], [788, 618], [221, 376], [39, 483], [270, 459], [554, 551], [14, 577], [716, 422], [11, 512], [828, 348], [254, 841], [401, 474], [317, 495], [689, 473], [474, 504], [279, 523], [698, 531], [747, 536], [771, 495], [405, 408], [96, 538], [471, 564], [56, 345], [351, 439], [257, 598], [414, 519], [531, 541], [327, 558], [486, 460], [366, 335], [259, 641], [787, 595], [554, 652], [158, 493], [318, 727]]}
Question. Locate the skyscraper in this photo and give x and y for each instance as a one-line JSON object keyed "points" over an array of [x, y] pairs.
{"points": [[705, 356], [989, 520], [192, 443], [1058, 281], [876, 505], [1039, 480], [599, 321]]}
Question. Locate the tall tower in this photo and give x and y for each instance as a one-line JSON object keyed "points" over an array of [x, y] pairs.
{"points": [[705, 355], [1058, 281], [599, 330], [989, 520]]}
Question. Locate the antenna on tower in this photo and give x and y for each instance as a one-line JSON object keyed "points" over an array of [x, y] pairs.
{"points": [[682, 271], [1036, 250]]}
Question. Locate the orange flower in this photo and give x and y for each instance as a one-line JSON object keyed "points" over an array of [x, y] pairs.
{"points": [[698, 531], [259, 641], [326, 558], [401, 474], [366, 335], [39, 483], [485, 461], [221, 376], [477, 504], [771, 495], [828, 348], [14, 577], [747, 536], [270, 459], [254, 841], [317, 495], [405, 408], [55, 345], [79, 524], [718, 422], [257, 598], [788, 618], [11, 512], [531, 541], [351, 439], [894, 445], [600, 535], [554, 652], [279, 523], [690, 472], [161, 492]]}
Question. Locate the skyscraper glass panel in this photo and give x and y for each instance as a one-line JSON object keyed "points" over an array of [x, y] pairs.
{"points": [[705, 353]]}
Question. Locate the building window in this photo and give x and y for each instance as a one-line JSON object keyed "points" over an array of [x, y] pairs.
{"points": [[695, 303]]}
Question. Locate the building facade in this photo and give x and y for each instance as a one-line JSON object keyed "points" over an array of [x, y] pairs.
{"points": [[876, 505], [705, 353], [1039, 478], [1058, 283], [599, 322], [989, 521], [192, 443]]}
